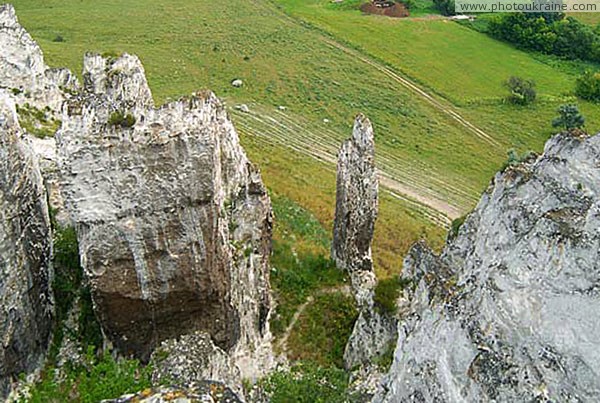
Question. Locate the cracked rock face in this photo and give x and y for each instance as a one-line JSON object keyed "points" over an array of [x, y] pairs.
{"points": [[173, 221], [39, 91], [510, 311], [23, 71], [26, 306]]}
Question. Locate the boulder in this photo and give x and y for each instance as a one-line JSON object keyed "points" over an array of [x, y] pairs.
{"points": [[192, 358]]}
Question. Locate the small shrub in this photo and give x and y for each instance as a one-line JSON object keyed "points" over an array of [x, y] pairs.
{"points": [[569, 117], [119, 118], [445, 7], [456, 224], [522, 92], [308, 383], [58, 38], [513, 158], [386, 294], [588, 86]]}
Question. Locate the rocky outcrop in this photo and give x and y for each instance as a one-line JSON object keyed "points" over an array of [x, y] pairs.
{"points": [[173, 221], [205, 392], [510, 310], [355, 215], [192, 358], [39, 93], [26, 304], [356, 200], [23, 71]]}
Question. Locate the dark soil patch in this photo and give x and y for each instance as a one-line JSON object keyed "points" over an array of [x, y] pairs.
{"points": [[387, 8]]}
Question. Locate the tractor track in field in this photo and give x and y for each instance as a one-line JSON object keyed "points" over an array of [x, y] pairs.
{"points": [[411, 181], [397, 177], [416, 89]]}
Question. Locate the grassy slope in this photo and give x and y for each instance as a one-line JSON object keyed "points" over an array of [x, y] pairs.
{"points": [[461, 65], [455, 61], [188, 45]]}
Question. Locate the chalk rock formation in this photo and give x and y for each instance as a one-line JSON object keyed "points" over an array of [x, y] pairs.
{"points": [[26, 305], [205, 392], [23, 71], [173, 221], [192, 358], [355, 215], [510, 311], [115, 84], [356, 200], [40, 92]]}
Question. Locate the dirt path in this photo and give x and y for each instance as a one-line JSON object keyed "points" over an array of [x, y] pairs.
{"points": [[281, 345]]}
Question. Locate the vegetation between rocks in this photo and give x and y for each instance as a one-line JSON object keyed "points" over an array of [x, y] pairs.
{"points": [[323, 330], [37, 122], [97, 378], [308, 383]]}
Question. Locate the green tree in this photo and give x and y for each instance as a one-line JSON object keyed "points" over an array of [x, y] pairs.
{"points": [[569, 117], [522, 92], [445, 7], [588, 86]]}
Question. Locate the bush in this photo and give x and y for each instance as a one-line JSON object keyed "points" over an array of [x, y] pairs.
{"points": [[68, 286], [386, 294], [308, 383], [569, 117], [522, 92], [119, 118], [456, 224], [58, 38], [445, 7], [588, 86]]}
